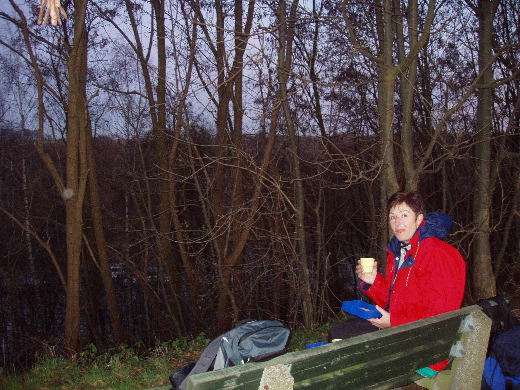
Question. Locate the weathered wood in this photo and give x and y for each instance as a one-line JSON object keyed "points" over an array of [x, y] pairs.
{"points": [[380, 360]]}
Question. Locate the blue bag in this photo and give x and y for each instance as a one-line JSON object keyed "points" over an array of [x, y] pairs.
{"points": [[502, 366]]}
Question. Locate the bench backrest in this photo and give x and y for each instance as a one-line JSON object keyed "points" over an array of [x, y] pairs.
{"points": [[383, 359]]}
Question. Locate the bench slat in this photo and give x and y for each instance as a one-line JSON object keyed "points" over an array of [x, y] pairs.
{"points": [[381, 359]]}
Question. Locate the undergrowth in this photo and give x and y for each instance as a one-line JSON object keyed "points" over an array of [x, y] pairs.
{"points": [[122, 369]]}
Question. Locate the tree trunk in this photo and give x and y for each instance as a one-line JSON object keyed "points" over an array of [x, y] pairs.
{"points": [[76, 176], [408, 86], [225, 198], [166, 252], [286, 39], [101, 245], [388, 16], [385, 105], [218, 198], [191, 276], [483, 281]]}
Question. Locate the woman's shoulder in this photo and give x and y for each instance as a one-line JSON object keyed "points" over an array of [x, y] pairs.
{"points": [[434, 241], [437, 247]]}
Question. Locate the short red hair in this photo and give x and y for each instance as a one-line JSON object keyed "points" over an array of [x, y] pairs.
{"points": [[412, 198]]}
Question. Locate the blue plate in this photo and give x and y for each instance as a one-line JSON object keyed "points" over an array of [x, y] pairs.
{"points": [[315, 345], [361, 309]]}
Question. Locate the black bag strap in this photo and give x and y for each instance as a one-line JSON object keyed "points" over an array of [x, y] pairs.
{"points": [[502, 318], [204, 363], [505, 319]]}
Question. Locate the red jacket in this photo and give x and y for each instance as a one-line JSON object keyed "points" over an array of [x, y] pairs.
{"points": [[430, 281]]}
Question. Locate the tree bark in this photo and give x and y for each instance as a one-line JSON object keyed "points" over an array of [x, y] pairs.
{"points": [[224, 198], [408, 86], [286, 38], [385, 104], [180, 124], [483, 281], [387, 17], [120, 332], [76, 175], [166, 252]]}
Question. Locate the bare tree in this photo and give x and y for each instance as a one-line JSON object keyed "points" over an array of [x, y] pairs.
{"points": [[286, 31], [389, 19], [230, 236], [76, 174], [482, 271]]}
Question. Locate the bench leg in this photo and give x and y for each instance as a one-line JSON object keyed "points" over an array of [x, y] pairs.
{"points": [[277, 377], [466, 371]]}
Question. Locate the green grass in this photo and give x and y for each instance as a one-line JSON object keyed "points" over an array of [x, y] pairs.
{"points": [[117, 369], [122, 369]]}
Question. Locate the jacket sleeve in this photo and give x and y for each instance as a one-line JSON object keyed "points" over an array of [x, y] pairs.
{"points": [[378, 291]]}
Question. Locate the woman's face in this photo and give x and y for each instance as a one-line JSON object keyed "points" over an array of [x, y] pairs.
{"points": [[404, 222]]}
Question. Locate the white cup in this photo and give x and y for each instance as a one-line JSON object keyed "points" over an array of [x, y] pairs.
{"points": [[368, 264]]}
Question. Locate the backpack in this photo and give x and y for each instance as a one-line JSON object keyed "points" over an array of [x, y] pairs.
{"points": [[502, 364], [249, 341]]}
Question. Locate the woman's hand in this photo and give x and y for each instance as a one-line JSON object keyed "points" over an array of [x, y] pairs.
{"points": [[383, 321], [367, 278]]}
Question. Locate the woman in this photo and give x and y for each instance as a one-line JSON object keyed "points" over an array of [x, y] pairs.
{"points": [[425, 276]]}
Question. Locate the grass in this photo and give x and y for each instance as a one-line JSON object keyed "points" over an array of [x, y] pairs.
{"points": [[117, 369], [122, 369]]}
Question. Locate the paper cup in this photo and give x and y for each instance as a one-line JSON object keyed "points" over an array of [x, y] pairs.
{"points": [[368, 264]]}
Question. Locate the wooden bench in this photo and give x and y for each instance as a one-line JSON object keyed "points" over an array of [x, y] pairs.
{"points": [[385, 359]]}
